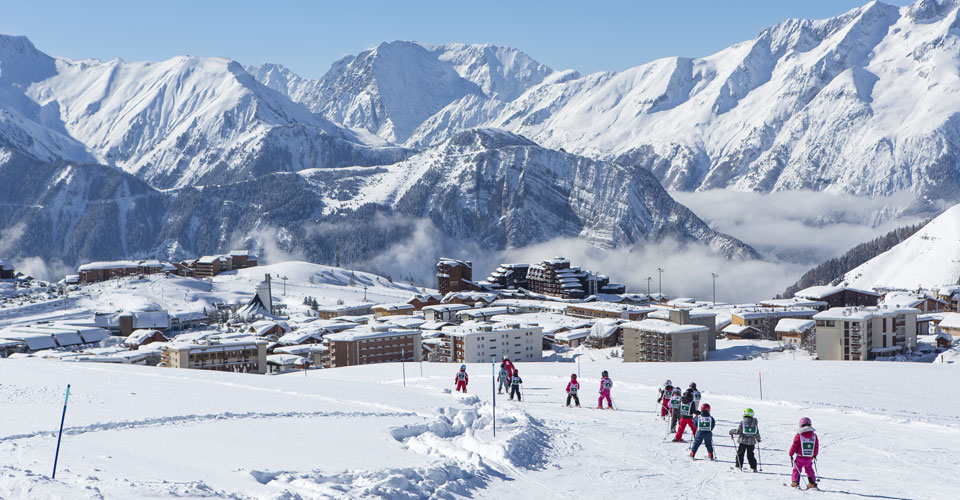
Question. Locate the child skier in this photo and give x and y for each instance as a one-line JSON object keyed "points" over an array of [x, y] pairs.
{"points": [[664, 397], [503, 379], [462, 379], [686, 416], [704, 424], [806, 447], [508, 365], [674, 402], [749, 435], [696, 395], [572, 387], [515, 382], [605, 385]]}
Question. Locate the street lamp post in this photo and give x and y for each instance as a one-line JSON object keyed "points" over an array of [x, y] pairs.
{"points": [[660, 282], [715, 276], [649, 279]]}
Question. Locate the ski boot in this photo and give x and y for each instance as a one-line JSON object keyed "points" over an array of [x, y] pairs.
{"points": [[710, 456], [811, 486], [693, 454], [794, 484]]}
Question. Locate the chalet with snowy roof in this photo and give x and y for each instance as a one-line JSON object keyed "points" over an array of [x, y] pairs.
{"points": [[919, 301], [572, 338], [951, 296], [421, 300], [340, 310], [653, 340], [400, 308], [839, 296], [795, 331], [125, 323], [950, 323], [604, 333], [764, 319], [479, 342], [370, 344], [608, 310], [481, 314], [315, 353], [443, 312], [143, 337], [864, 333], [269, 328], [7, 272], [944, 340], [740, 332], [472, 299], [286, 363], [241, 355]]}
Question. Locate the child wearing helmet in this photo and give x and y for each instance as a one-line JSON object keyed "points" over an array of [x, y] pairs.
{"points": [[806, 447], [696, 395], [572, 387], [462, 379], [503, 379], [605, 385], [704, 424], [674, 402], [664, 398], [748, 435], [686, 416], [515, 382], [508, 365]]}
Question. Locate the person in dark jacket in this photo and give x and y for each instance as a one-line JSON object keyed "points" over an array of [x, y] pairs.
{"points": [[704, 425], [515, 382], [686, 416], [748, 435]]}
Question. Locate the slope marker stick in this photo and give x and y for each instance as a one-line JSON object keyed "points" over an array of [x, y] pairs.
{"points": [[760, 374], [403, 367], [493, 387], [60, 434]]}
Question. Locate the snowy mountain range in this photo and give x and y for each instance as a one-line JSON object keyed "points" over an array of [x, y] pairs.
{"points": [[861, 103]]}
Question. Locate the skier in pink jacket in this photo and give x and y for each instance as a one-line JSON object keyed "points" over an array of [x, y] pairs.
{"points": [[605, 385], [806, 447]]}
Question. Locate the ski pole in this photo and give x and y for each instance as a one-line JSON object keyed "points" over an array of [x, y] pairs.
{"points": [[759, 462], [736, 460], [815, 471], [60, 434]]}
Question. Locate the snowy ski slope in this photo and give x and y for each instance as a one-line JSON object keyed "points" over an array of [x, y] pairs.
{"points": [[141, 432]]}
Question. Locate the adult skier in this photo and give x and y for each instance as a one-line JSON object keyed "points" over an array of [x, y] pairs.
{"points": [[503, 379], [806, 447], [748, 433], [674, 402], [462, 379], [508, 365], [515, 382], [605, 385], [704, 424], [686, 416]]}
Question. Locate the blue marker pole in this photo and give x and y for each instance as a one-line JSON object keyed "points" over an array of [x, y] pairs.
{"points": [[60, 435]]}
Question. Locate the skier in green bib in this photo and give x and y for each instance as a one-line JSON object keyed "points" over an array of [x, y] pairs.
{"points": [[704, 424], [748, 433]]}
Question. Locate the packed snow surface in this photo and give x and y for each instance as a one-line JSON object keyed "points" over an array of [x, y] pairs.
{"points": [[143, 432]]}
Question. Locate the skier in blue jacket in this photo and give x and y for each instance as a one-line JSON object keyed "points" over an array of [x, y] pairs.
{"points": [[704, 425]]}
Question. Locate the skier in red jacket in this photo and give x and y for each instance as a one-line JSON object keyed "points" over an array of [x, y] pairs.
{"points": [[508, 365], [806, 447], [462, 379]]}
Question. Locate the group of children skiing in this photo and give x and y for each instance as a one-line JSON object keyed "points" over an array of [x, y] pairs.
{"points": [[683, 409]]}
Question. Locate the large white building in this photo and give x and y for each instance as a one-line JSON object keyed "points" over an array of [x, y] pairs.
{"points": [[659, 340], [865, 333], [479, 342]]}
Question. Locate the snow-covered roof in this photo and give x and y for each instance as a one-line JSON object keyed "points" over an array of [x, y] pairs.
{"points": [[795, 325], [951, 321], [403, 321], [470, 297], [822, 291], [301, 349], [441, 308], [138, 336], [261, 328], [604, 329], [479, 328], [772, 312], [399, 306], [286, 359], [579, 333], [737, 329], [793, 302], [299, 337], [345, 307], [945, 336], [860, 313], [665, 327], [5, 266], [114, 264], [434, 325], [483, 312], [366, 332], [612, 307]]}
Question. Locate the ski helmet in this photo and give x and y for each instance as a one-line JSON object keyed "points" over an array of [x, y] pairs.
{"points": [[748, 412], [693, 385], [605, 374], [573, 376], [705, 407], [463, 367], [668, 388], [676, 390], [515, 371], [506, 357], [804, 422], [668, 383]]}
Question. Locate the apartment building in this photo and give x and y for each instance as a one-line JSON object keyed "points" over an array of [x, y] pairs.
{"points": [[335, 311], [369, 344], [865, 333], [652, 340], [244, 355], [481, 342], [610, 310], [688, 316]]}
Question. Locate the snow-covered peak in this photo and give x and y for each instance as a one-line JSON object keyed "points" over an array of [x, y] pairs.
{"points": [[21, 63], [502, 72]]}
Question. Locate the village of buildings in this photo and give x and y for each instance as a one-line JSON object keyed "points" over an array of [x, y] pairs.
{"points": [[129, 312]]}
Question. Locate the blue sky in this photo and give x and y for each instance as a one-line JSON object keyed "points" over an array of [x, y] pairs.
{"points": [[308, 36]]}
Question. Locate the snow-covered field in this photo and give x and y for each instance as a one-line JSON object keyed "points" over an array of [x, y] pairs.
{"points": [[887, 431]]}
